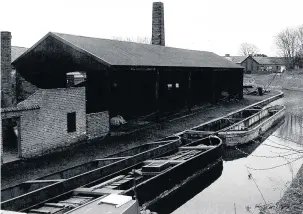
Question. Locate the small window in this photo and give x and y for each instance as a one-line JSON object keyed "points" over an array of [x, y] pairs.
{"points": [[177, 85], [71, 122], [169, 86]]}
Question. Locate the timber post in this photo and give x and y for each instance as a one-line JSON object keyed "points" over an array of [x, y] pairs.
{"points": [[188, 98], [157, 93]]}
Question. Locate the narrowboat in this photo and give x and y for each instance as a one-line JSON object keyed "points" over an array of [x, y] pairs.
{"points": [[252, 127], [32, 192], [240, 127], [141, 180]]}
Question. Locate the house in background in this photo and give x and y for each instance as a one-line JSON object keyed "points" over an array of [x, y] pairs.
{"points": [[247, 62], [271, 64], [259, 64]]}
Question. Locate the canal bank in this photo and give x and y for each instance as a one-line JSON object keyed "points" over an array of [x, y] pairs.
{"points": [[31, 169], [256, 173]]}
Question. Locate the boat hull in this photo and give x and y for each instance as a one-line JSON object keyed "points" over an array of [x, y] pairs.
{"points": [[234, 138], [75, 177], [154, 187]]}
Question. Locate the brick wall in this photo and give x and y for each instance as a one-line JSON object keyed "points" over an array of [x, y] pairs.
{"points": [[7, 97], [97, 124], [45, 130]]}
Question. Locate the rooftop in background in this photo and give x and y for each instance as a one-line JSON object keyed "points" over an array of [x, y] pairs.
{"points": [[270, 60], [17, 51], [259, 59], [236, 59], [121, 53]]}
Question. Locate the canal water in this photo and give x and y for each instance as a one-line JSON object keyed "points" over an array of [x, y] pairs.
{"points": [[252, 174]]}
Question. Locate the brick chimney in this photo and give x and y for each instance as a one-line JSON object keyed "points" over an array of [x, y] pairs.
{"points": [[7, 81], [158, 35]]}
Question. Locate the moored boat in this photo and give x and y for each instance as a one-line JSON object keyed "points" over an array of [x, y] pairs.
{"points": [[33, 192], [240, 127], [155, 178], [252, 127], [145, 180], [212, 127]]}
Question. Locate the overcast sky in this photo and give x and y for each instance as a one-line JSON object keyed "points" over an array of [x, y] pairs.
{"points": [[219, 26]]}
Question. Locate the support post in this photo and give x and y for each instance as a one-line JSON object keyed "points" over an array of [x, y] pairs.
{"points": [[241, 84], [157, 93], [213, 85], [188, 98]]}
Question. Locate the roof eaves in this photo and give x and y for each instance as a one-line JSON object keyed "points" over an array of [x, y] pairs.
{"points": [[57, 36], [22, 108]]}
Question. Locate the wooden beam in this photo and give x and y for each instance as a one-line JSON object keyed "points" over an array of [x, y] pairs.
{"points": [[161, 161], [108, 182], [43, 181], [157, 92], [188, 96], [196, 147]]}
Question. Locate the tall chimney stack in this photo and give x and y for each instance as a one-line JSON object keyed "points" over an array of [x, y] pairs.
{"points": [[7, 85], [158, 36]]}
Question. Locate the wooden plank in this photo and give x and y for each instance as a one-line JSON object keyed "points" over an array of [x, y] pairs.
{"points": [[170, 161], [83, 190], [55, 205], [40, 211], [196, 147], [113, 158], [104, 191], [44, 181], [108, 182]]}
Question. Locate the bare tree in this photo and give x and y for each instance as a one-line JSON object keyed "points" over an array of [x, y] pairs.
{"points": [[287, 44], [299, 58], [248, 49], [139, 39]]}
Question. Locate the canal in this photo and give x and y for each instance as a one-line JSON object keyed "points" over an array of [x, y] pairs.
{"points": [[252, 174]]}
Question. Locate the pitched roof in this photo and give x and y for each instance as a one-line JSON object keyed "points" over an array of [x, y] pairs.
{"points": [[236, 59], [17, 51], [122, 53], [270, 60], [259, 59]]}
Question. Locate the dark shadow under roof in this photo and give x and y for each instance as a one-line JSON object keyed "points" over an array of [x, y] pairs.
{"points": [[121, 53]]}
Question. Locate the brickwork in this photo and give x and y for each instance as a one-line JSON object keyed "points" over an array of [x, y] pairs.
{"points": [[45, 130], [97, 124], [7, 84], [158, 35]]}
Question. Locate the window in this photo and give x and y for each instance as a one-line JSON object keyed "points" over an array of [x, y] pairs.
{"points": [[169, 86], [71, 122], [177, 85]]}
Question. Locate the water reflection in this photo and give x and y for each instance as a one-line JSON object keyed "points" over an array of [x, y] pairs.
{"points": [[187, 191], [292, 129]]}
